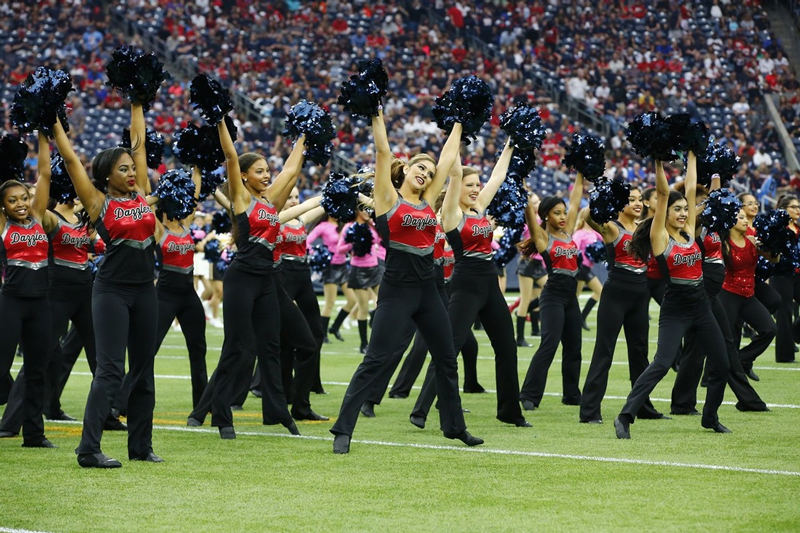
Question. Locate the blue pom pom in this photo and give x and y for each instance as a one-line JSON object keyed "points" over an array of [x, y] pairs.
{"points": [[212, 251], [772, 231], [586, 155], [340, 197], [361, 95], [507, 208], [469, 101], [61, 188], [650, 136], [309, 119], [720, 211], [607, 198], [137, 74], [596, 253], [221, 222], [13, 152], [764, 269], [210, 99], [524, 125], [175, 194], [210, 180], [508, 246], [688, 134], [200, 146], [319, 258], [153, 146], [360, 236], [225, 259], [718, 159], [39, 102]]}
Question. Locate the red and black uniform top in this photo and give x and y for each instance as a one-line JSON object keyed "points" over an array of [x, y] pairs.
{"points": [[293, 248], [561, 260], [70, 274], [740, 272], [448, 263], [623, 266], [23, 251], [439, 243], [127, 225], [471, 241], [682, 266], [176, 251], [408, 232], [258, 228], [713, 262]]}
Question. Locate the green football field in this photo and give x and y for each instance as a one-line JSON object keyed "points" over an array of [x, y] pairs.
{"points": [[558, 475]]}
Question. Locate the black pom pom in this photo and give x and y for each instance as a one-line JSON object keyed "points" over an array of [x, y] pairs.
{"points": [[508, 246], [718, 159], [361, 95], [13, 152], [772, 230], [309, 119], [522, 164], [210, 99], [524, 125], [361, 237], [61, 188], [221, 222], [651, 136], [153, 146], [764, 269], [586, 155], [596, 253], [39, 102], [607, 198], [175, 192], [319, 258], [508, 205], [137, 74], [340, 197], [469, 101], [688, 134], [212, 251], [210, 180], [200, 147], [720, 211]]}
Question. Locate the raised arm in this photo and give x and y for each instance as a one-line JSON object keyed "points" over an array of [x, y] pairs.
{"points": [[198, 183], [608, 231], [451, 208], [575, 196], [138, 151], [42, 194], [90, 197], [691, 192], [538, 234], [239, 196], [384, 192], [446, 162], [293, 212], [497, 178], [221, 199], [658, 231], [281, 187]]}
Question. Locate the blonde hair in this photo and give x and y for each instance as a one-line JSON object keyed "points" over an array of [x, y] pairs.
{"points": [[398, 165]]}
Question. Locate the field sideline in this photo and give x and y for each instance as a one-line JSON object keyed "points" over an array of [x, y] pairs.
{"points": [[558, 475]]}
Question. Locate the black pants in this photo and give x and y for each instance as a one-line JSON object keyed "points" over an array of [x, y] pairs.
{"points": [[476, 296], [300, 289], [397, 307], [79, 310], [28, 322], [684, 391], [561, 321], [678, 317], [252, 323], [789, 289], [125, 316], [623, 304], [751, 310]]}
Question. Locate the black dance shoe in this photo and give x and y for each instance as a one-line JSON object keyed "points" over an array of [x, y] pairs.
{"points": [[336, 334], [114, 424], [622, 428], [417, 421], [193, 422], [528, 405], [467, 439], [398, 395], [717, 427], [97, 460], [227, 433], [522, 343], [309, 415], [149, 457], [752, 375], [44, 443], [341, 444], [368, 409], [292, 428], [7, 434], [61, 416]]}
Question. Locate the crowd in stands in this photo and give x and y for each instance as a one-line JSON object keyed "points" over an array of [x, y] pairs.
{"points": [[714, 59]]}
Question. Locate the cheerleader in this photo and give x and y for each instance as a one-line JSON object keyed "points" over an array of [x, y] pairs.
{"points": [[788, 286], [24, 306], [250, 300], [559, 310], [403, 196], [364, 273], [623, 303], [583, 237], [669, 236], [532, 277], [123, 297]]}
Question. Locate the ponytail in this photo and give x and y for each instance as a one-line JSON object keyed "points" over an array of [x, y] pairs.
{"points": [[641, 247]]}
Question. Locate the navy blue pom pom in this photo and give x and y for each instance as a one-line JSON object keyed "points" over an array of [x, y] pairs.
{"points": [[61, 188], [718, 159], [650, 136], [309, 119], [607, 199], [137, 74], [39, 102], [210, 98], [319, 258], [596, 253], [153, 146], [340, 197], [586, 155], [13, 152], [212, 250], [508, 205], [221, 222], [200, 146], [508, 246], [225, 259], [469, 101], [772, 230], [688, 134], [360, 236], [764, 269], [524, 125], [361, 95], [720, 211], [521, 165], [210, 180], [175, 194]]}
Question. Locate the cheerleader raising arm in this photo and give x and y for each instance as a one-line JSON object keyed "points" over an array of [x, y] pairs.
{"points": [[301, 210], [658, 230], [39, 209], [91, 198], [238, 193], [281, 187], [574, 203], [450, 153], [451, 210], [497, 178], [138, 152], [384, 192]]}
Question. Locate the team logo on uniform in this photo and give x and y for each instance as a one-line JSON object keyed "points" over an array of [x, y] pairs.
{"points": [[295, 237], [686, 259], [569, 253], [272, 218], [136, 213], [78, 241], [484, 231], [418, 223], [181, 248], [29, 239]]}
